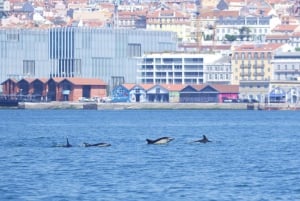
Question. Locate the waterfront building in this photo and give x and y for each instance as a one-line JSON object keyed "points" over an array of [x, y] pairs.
{"points": [[150, 92], [203, 93], [184, 68], [53, 89], [200, 93], [284, 92], [253, 70], [107, 54]]}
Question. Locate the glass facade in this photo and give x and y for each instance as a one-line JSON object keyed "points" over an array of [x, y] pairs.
{"points": [[102, 53]]}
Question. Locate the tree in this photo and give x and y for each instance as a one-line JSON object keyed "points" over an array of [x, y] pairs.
{"points": [[230, 37], [244, 32]]}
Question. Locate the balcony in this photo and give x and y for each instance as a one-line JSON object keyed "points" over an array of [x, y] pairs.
{"points": [[258, 66], [259, 74], [286, 71], [243, 66], [245, 74]]}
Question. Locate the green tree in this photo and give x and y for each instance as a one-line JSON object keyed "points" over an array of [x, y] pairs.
{"points": [[230, 37], [244, 32]]}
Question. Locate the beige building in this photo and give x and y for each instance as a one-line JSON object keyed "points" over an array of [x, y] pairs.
{"points": [[166, 19], [253, 70]]}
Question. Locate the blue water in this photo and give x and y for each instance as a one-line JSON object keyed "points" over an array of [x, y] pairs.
{"points": [[255, 155]]}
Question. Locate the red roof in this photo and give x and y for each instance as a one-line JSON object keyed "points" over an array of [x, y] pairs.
{"points": [[173, 87], [129, 85], [277, 36], [257, 48], [85, 81], [226, 88]]}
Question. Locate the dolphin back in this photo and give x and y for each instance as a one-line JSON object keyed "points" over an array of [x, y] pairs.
{"points": [[150, 141]]}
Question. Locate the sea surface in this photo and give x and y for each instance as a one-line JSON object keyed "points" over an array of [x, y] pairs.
{"points": [[254, 155]]}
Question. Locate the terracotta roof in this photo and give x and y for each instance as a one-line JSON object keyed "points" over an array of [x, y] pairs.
{"points": [[285, 28], [215, 13], [257, 48], [226, 88], [173, 87], [147, 86], [277, 36], [128, 85], [9, 79], [85, 81], [198, 87]]}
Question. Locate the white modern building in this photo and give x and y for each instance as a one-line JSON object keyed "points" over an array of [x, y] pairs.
{"points": [[183, 68], [286, 66]]}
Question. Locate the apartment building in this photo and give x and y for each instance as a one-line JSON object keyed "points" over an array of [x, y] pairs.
{"points": [[170, 20], [253, 69], [183, 68], [286, 66]]}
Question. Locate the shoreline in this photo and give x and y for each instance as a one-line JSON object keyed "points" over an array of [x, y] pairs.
{"points": [[131, 106], [153, 106]]}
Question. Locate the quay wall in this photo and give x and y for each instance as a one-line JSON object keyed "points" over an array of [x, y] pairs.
{"points": [[131, 106], [153, 106]]}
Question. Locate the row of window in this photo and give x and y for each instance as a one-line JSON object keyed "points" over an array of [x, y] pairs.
{"points": [[165, 20], [172, 60], [235, 31], [219, 76], [172, 81], [255, 55], [288, 67]]}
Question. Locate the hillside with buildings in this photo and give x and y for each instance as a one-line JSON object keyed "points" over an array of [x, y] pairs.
{"points": [[252, 44]]}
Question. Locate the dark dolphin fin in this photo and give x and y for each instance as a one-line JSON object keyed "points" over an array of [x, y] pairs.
{"points": [[68, 144], [149, 141]]}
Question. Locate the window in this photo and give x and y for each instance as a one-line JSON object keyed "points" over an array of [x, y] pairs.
{"points": [[249, 56], [134, 50], [243, 55], [12, 37], [29, 67]]}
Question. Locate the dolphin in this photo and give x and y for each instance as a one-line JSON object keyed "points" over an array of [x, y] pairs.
{"points": [[101, 144], [203, 140], [162, 140], [65, 145]]}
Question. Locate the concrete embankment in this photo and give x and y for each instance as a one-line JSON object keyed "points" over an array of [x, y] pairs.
{"points": [[133, 106]]}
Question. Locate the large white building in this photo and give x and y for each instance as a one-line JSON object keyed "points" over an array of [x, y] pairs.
{"points": [[286, 66], [184, 68], [244, 28]]}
